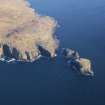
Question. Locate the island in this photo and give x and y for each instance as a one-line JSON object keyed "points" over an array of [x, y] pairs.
{"points": [[23, 31], [78, 63], [26, 36]]}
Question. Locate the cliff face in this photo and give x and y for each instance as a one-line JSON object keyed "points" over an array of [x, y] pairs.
{"points": [[22, 30]]}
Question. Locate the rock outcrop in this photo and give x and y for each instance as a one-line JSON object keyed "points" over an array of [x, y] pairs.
{"points": [[22, 30], [83, 65], [70, 54], [78, 63]]}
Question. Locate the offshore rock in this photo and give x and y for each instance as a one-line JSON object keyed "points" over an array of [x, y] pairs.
{"points": [[77, 63], [70, 54], [83, 65]]}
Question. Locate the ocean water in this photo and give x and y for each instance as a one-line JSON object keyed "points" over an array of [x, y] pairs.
{"points": [[51, 81]]}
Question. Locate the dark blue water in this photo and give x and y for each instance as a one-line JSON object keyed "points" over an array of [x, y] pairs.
{"points": [[52, 82]]}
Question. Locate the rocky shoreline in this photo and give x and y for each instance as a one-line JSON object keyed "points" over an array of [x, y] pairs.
{"points": [[8, 53], [26, 36], [72, 58]]}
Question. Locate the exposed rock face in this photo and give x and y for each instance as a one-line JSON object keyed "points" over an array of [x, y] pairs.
{"points": [[1, 51], [22, 30], [70, 54], [84, 65], [78, 63]]}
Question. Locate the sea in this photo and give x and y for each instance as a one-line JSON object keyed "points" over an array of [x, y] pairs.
{"points": [[51, 81]]}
